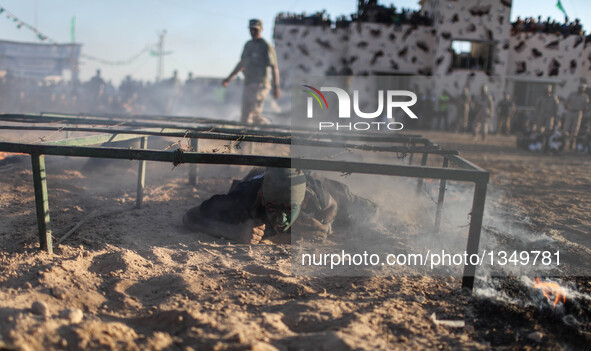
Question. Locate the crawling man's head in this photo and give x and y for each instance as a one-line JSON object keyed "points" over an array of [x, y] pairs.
{"points": [[283, 192]]}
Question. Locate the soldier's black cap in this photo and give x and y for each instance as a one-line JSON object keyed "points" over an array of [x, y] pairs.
{"points": [[255, 23]]}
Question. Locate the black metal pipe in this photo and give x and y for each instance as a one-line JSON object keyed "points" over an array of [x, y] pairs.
{"points": [[178, 157], [246, 138]]}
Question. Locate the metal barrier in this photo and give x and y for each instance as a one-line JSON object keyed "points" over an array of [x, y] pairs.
{"points": [[113, 128]]}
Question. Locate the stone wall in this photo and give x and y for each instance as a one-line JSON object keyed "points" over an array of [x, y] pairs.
{"points": [[364, 49], [486, 21], [309, 50], [483, 20], [378, 48], [545, 55], [586, 63]]}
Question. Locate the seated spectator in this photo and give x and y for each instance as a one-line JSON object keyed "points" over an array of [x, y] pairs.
{"points": [[584, 141], [556, 140], [532, 139]]}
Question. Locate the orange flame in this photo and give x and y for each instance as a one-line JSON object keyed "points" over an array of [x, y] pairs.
{"points": [[4, 154], [551, 291]]}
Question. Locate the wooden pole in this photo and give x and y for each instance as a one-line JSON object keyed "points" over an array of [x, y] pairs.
{"points": [[75, 227]]}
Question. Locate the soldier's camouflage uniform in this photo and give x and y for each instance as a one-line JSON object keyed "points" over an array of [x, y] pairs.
{"points": [[546, 110], [258, 56], [483, 107], [576, 103]]}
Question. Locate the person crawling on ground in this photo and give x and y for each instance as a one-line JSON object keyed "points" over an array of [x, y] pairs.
{"points": [[270, 203]]}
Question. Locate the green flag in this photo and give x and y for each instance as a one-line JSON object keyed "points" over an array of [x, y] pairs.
{"points": [[156, 53], [72, 29], [559, 5]]}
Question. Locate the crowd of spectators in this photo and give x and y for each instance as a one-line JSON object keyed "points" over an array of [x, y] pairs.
{"points": [[368, 11], [169, 96], [533, 25], [195, 96], [371, 11], [539, 128], [320, 18]]}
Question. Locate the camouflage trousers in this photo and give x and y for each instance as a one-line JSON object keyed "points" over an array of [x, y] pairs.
{"points": [[545, 122], [504, 124], [463, 119], [572, 122], [481, 124], [253, 98], [572, 125]]}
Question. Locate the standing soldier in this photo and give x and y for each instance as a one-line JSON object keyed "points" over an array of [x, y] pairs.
{"points": [[505, 112], [96, 84], [96, 87], [576, 104], [427, 104], [463, 103], [483, 108], [256, 57], [173, 92], [546, 110], [443, 110]]}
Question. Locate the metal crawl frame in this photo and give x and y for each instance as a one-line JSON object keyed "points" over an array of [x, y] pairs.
{"points": [[120, 127]]}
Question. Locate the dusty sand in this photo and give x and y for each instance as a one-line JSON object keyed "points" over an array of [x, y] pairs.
{"points": [[143, 282]]}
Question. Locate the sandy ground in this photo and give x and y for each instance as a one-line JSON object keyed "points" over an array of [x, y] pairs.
{"points": [[136, 279]]}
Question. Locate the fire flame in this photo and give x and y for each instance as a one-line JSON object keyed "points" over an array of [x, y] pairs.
{"points": [[4, 155], [552, 291]]}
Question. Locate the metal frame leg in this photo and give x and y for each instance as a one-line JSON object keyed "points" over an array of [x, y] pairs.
{"points": [[193, 166], [421, 180], [42, 202], [474, 234], [413, 144], [441, 197], [141, 175]]}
